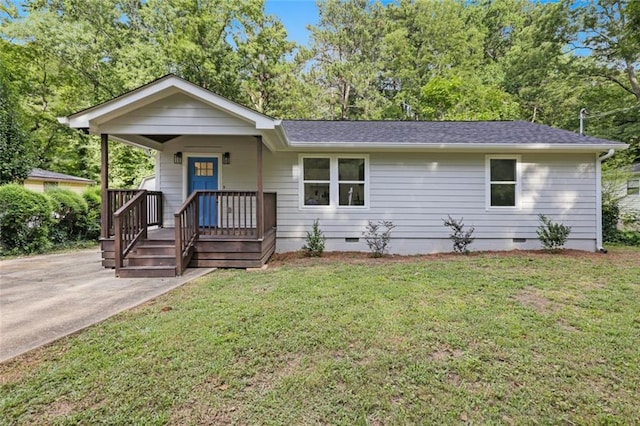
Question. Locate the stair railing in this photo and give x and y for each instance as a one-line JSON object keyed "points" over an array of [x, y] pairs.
{"points": [[130, 225], [187, 232]]}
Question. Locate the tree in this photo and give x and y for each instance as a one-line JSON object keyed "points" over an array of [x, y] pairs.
{"points": [[344, 58], [15, 153], [612, 37]]}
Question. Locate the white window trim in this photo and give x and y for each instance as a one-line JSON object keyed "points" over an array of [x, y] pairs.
{"points": [[633, 183], [334, 197], [518, 183]]}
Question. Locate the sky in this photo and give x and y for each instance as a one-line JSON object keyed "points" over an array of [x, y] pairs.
{"points": [[295, 15]]}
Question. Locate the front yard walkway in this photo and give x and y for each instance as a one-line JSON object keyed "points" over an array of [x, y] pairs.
{"points": [[44, 298]]}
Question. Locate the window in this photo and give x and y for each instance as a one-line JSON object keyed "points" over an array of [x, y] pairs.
{"points": [[633, 187], [334, 181], [351, 181], [503, 187], [317, 181], [203, 168], [50, 185]]}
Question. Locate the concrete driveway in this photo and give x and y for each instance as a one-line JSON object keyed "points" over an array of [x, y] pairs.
{"points": [[44, 298]]}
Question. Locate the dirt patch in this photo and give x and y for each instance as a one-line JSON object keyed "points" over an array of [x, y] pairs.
{"points": [[60, 408], [564, 325], [445, 354], [530, 298]]}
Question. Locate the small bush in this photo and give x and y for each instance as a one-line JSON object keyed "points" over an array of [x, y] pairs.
{"points": [[94, 201], [461, 239], [610, 218], [314, 241], [70, 216], [626, 238], [25, 218], [377, 239], [552, 235]]}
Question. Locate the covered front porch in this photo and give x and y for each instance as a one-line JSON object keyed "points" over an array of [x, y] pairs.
{"points": [[240, 235], [209, 208]]}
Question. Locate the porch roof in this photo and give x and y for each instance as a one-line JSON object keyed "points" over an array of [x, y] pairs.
{"points": [[111, 116]]}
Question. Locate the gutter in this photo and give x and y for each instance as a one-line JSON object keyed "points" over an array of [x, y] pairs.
{"points": [[599, 160]]}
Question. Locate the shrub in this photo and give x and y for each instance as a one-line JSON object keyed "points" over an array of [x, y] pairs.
{"points": [[314, 241], [461, 239], [610, 218], [552, 235], [378, 240], [94, 201], [25, 217], [70, 215], [626, 238]]}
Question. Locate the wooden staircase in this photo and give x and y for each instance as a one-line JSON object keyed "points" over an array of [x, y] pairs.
{"points": [[150, 258]]}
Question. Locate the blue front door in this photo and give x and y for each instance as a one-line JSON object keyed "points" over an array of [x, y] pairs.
{"points": [[203, 174]]}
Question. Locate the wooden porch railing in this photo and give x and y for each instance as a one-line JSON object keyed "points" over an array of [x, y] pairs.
{"points": [[116, 198], [186, 226], [222, 214], [130, 225]]}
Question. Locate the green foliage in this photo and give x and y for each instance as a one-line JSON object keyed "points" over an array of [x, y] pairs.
{"points": [[625, 238], [70, 212], [461, 238], [15, 155], [314, 241], [92, 197], [25, 219], [378, 236], [552, 235], [610, 219]]}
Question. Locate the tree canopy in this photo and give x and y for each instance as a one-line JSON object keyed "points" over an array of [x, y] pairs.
{"points": [[403, 60]]}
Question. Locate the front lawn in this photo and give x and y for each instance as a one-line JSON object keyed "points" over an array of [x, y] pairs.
{"points": [[486, 338]]}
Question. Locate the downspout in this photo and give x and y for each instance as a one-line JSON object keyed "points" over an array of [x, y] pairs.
{"points": [[599, 160]]}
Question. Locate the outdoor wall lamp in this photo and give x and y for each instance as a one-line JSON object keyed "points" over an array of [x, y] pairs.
{"points": [[177, 158], [226, 158]]}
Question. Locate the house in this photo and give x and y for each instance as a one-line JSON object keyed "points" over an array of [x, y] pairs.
{"points": [[40, 180], [234, 185], [630, 193]]}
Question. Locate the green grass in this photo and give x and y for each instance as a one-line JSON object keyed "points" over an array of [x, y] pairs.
{"points": [[511, 339]]}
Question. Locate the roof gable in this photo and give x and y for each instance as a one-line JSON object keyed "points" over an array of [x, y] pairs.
{"points": [[158, 90]]}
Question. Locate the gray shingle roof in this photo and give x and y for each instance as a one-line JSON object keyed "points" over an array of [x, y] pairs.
{"points": [[54, 176], [432, 132]]}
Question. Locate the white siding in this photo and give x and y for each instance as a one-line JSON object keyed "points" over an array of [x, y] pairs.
{"points": [[417, 190], [414, 190], [177, 114], [239, 175]]}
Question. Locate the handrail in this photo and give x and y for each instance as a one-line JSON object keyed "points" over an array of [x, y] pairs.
{"points": [[117, 198], [186, 227], [130, 225]]}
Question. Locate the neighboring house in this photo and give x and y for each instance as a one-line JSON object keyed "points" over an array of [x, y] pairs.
{"points": [[237, 185], [630, 201], [148, 183], [40, 180]]}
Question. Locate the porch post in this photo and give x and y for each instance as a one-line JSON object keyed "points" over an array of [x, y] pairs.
{"points": [[260, 193], [104, 185]]}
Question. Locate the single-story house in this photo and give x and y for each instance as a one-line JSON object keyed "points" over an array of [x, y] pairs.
{"points": [[234, 185], [40, 180]]}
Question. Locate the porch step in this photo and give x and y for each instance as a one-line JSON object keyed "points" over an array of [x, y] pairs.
{"points": [[145, 249], [137, 259], [147, 271]]}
